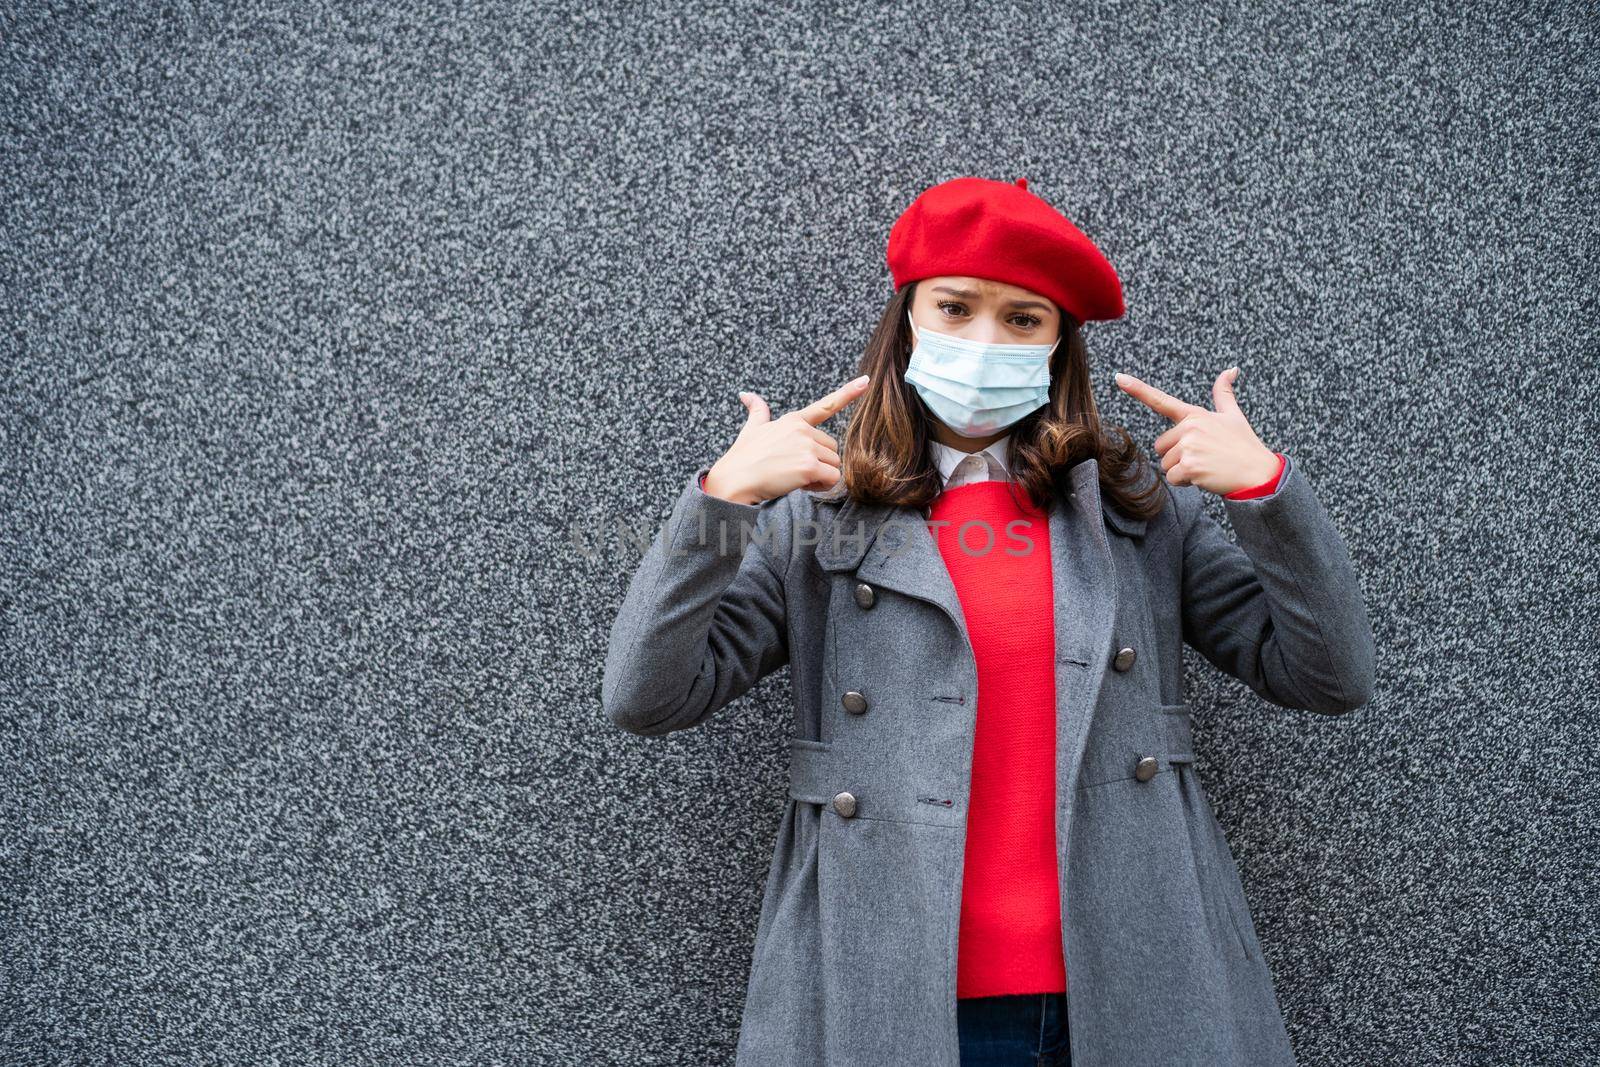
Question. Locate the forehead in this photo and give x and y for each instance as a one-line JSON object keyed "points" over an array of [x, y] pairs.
{"points": [[982, 289]]}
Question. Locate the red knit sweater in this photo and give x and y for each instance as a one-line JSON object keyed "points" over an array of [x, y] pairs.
{"points": [[1010, 935]]}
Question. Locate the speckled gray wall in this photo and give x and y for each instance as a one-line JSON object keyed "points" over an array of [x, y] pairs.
{"points": [[327, 328]]}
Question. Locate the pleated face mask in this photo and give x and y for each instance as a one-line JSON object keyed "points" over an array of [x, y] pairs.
{"points": [[977, 388]]}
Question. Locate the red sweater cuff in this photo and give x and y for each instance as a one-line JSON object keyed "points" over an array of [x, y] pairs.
{"points": [[1266, 488]]}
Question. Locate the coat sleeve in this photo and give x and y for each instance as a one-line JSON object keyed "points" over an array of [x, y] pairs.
{"points": [[704, 617], [1282, 610]]}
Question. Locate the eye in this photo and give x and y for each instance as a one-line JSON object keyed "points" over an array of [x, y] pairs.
{"points": [[1028, 321], [945, 305]]}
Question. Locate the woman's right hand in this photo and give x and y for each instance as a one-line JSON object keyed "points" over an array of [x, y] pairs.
{"points": [[771, 457]]}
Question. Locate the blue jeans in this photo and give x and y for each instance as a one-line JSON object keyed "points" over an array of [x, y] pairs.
{"points": [[1017, 1030]]}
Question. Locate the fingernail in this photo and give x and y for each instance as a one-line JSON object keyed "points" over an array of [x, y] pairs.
{"points": [[861, 379], [1118, 377]]}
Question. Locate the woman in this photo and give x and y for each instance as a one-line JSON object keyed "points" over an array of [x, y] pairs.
{"points": [[996, 849]]}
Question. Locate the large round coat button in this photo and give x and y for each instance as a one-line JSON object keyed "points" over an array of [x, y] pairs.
{"points": [[1124, 659], [1146, 768], [854, 702], [865, 596], [845, 804]]}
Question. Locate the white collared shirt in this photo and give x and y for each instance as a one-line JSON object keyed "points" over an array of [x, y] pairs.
{"points": [[960, 468]]}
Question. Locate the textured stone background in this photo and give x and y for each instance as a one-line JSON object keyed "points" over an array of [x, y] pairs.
{"points": [[325, 328]]}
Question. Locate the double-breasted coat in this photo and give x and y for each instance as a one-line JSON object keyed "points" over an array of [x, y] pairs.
{"points": [[855, 955]]}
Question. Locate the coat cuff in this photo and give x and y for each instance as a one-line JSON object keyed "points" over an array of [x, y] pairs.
{"points": [[703, 520]]}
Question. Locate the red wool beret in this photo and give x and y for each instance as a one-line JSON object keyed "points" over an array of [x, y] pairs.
{"points": [[984, 228]]}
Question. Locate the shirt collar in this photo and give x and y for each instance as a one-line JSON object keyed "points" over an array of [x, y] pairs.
{"points": [[948, 458]]}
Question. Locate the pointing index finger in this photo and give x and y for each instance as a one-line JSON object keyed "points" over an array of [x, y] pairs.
{"points": [[820, 411], [1154, 399]]}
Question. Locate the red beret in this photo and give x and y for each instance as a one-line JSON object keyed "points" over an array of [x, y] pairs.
{"points": [[983, 228]]}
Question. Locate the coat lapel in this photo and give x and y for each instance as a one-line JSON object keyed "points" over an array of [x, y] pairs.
{"points": [[892, 548], [1085, 613]]}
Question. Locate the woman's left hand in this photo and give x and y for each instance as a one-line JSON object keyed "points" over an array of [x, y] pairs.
{"points": [[1215, 450]]}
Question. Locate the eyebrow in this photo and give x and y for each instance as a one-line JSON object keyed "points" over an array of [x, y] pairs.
{"points": [[972, 294]]}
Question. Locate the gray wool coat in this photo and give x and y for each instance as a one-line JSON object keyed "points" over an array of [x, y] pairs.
{"points": [[855, 955]]}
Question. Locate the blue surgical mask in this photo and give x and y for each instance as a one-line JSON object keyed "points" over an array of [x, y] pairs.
{"points": [[976, 388]]}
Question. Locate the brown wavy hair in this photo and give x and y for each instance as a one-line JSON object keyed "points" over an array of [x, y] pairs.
{"points": [[884, 449]]}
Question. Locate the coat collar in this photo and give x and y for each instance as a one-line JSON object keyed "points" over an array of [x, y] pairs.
{"points": [[904, 560]]}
